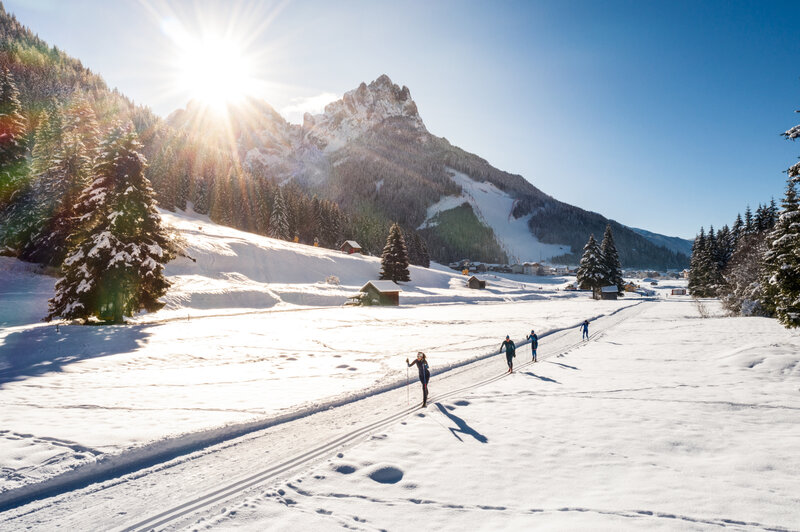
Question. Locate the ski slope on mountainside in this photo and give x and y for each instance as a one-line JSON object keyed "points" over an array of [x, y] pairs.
{"points": [[251, 331], [493, 207]]}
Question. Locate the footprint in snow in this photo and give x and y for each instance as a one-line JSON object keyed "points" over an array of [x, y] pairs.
{"points": [[462, 403], [345, 469], [387, 475], [342, 366]]}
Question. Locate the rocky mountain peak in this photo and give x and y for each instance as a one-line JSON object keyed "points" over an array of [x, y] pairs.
{"points": [[358, 111]]}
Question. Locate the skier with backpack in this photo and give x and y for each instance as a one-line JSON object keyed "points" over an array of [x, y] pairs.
{"points": [[510, 352], [584, 327], [534, 343], [424, 374]]}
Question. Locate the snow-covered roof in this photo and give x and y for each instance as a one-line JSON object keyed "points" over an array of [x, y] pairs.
{"points": [[351, 243], [384, 286], [609, 289]]}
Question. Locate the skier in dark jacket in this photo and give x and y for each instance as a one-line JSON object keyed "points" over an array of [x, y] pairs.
{"points": [[534, 343], [510, 352], [424, 374], [585, 328]]}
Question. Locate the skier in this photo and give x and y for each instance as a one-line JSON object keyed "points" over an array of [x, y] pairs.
{"points": [[510, 352], [424, 374], [585, 328], [534, 343]]}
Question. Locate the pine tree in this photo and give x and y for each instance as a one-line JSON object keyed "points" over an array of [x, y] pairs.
{"points": [[695, 273], [611, 264], [394, 260], [278, 222], [794, 170], [749, 227], [738, 230], [781, 277], [65, 180], [115, 266], [12, 138], [423, 257], [591, 272]]}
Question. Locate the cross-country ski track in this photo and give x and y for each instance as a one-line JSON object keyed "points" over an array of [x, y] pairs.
{"points": [[171, 489]]}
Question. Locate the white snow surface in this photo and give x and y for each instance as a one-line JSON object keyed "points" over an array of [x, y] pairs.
{"points": [[663, 422], [493, 208], [251, 330]]}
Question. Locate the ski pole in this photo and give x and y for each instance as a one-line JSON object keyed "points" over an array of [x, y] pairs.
{"points": [[408, 397]]}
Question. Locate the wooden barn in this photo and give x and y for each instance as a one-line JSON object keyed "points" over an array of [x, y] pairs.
{"points": [[350, 247], [379, 293], [477, 284]]}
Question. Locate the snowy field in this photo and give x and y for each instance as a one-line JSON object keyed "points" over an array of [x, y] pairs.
{"points": [[251, 333], [665, 422]]}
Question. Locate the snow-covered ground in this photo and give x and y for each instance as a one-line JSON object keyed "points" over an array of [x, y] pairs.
{"points": [[493, 207], [251, 332], [665, 422]]}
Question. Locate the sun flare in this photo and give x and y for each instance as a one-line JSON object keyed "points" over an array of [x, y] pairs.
{"points": [[215, 72]]}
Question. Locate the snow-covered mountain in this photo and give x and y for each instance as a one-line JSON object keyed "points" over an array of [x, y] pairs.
{"points": [[371, 153]]}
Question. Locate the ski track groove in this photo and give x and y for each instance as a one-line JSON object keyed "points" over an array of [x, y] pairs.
{"points": [[239, 486]]}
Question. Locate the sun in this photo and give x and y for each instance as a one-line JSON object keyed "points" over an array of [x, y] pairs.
{"points": [[215, 71]]}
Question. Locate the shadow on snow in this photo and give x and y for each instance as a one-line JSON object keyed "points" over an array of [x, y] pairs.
{"points": [[462, 426], [34, 352]]}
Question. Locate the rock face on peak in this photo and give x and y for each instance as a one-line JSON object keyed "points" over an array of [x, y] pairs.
{"points": [[359, 111]]}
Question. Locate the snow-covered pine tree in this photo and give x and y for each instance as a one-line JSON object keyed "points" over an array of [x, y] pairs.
{"points": [[13, 164], [591, 271], [743, 276], [695, 271], [394, 259], [611, 264], [115, 266], [278, 222], [65, 180], [781, 276]]}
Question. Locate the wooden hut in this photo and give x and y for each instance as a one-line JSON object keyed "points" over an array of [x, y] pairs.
{"points": [[475, 283], [350, 247], [609, 292], [379, 293]]}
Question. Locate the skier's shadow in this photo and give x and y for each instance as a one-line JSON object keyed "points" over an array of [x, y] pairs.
{"points": [[462, 426], [39, 350], [546, 379]]}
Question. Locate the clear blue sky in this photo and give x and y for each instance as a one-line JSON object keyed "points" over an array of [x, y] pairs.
{"points": [[661, 115]]}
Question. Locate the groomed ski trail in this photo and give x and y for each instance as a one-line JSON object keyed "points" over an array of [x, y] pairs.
{"points": [[559, 342]]}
